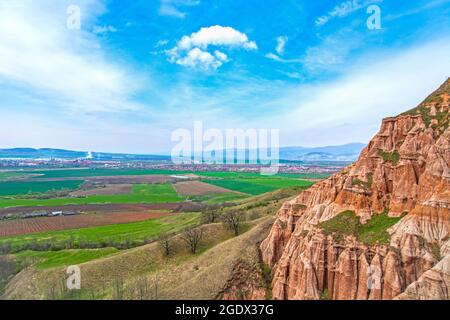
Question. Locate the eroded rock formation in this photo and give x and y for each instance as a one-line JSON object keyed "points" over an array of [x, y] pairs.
{"points": [[246, 283], [404, 172]]}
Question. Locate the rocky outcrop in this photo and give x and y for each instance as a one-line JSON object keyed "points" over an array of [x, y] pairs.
{"points": [[405, 172], [434, 284], [246, 283]]}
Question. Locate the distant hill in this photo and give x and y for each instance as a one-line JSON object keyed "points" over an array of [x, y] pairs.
{"points": [[29, 153], [47, 153], [347, 152]]}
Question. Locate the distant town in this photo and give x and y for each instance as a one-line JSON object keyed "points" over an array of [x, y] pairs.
{"points": [[284, 167]]}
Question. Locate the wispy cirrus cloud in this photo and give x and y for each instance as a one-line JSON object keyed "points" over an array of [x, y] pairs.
{"points": [[344, 9], [281, 44], [193, 50], [103, 29], [353, 104], [279, 49], [161, 43], [332, 51], [273, 56], [427, 6], [174, 8]]}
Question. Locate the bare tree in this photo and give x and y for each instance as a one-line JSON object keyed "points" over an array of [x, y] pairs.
{"points": [[210, 216], [165, 242], [233, 220], [155, 287], [147, 288], [142, 288], [52, 293], [192, 237]]}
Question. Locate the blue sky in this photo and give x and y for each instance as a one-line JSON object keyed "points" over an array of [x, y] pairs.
{"points": [[134, 73]]}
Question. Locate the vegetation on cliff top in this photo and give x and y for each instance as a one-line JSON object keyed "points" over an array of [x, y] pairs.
{"points": [[436, 98], [441, 116], [372, 232]]}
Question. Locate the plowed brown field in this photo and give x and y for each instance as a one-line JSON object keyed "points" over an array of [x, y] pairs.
{"points": [[108, 189], [27, 226], [197, 188]]}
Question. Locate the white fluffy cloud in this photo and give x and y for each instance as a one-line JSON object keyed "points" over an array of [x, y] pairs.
{"points": [[192, 51], [216, 36], [196, 58]]}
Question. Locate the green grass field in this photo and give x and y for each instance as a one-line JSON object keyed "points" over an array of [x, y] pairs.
{"points": [[317, 176], [258, 185], [11, 188], [5, 175], [109, 235], [248, 183], [246, 175], [80, 173], [241, 186], [226, 174], [219, 198], [157, 193], [63, 258], [278, 183], [71, 173]]}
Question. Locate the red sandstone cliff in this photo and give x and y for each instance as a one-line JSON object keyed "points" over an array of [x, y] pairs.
{"points": [[404, 172]]}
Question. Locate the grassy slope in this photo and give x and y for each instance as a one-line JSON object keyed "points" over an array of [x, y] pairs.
{"points": [[183, 276], [53, 259], [11, 188], [158, 193], [442, 118], [134, 232]]}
